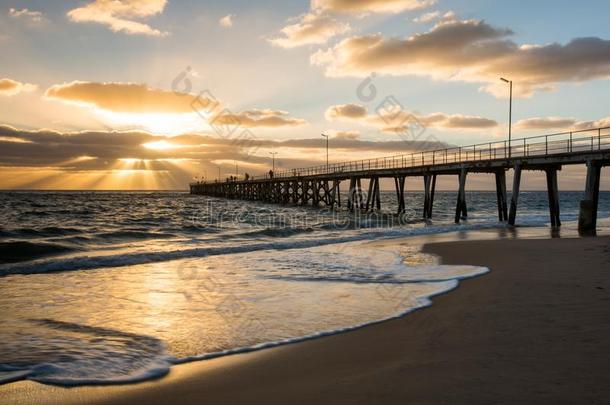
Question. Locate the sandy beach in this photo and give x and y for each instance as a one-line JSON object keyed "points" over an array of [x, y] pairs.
{"points": [[533, 330]]}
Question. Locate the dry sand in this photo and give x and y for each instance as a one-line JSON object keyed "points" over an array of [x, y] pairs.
{"points": [[534, 330]]}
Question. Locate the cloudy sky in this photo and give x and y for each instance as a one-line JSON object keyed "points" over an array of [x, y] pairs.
{"points": [[147, 94]]}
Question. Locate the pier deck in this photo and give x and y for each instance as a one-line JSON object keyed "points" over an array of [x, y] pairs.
{"points": [[320, 185]]}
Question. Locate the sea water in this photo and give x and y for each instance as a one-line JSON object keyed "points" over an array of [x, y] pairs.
{"points": [[112, 287]]}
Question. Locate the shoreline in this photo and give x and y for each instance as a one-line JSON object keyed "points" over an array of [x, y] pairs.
{"points": [[527, 314]]}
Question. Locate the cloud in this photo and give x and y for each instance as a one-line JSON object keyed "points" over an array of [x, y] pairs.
{"points": [[126, 98], [545, 123], [138, 106], [356, 145], [258, 118], [600, 123], [226, 21], [400, 121], [121, 15], [458, 121], [319, 24], [350, 135], [560, 123], [471, 51], [427, 17], [10, 87], [370, 6], [346, 112], [435, 120], [47, 159], [310, 28], [433, 16], [102, 149], [29, 15]]}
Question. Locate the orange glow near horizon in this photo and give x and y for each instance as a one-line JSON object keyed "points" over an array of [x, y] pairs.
{"points": [[123, 174]]}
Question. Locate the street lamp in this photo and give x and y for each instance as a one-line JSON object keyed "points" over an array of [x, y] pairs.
{"points": [[326, 136], [510, 112], [273, 159]]}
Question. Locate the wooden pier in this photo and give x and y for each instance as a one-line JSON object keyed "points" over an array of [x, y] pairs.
{"points": [[320, 185]]}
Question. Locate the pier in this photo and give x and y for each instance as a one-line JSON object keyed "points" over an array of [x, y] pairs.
{"points": [[321, 185]]}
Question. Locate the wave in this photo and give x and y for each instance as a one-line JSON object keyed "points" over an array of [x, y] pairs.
{"points": [[48, 231], [133, 235], [275, 232], [55, 212], [136, 258], [35, 214], [19, 251], [69, 354], [207, 228]]}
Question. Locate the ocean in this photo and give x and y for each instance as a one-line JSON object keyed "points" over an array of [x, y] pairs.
{"points": [[114, 287]]}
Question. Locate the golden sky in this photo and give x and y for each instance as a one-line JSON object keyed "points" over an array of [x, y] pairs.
{"points": [[150, 94]]}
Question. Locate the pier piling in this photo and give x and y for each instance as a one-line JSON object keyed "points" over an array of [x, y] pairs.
{"points": [[553, 192], [587, 219], [429, 187], [399, 182], [501, 195], [514, 198], [461, 211]]}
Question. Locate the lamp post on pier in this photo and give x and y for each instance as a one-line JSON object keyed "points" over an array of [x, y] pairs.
{"points": [[326, 136], [273, 160], [510, 111]]}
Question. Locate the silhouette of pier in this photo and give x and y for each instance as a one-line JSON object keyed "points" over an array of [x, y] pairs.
{"points": [[321, 185]]}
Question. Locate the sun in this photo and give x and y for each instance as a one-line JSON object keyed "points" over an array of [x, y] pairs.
{"points": [[162, 145], [158, 123]]}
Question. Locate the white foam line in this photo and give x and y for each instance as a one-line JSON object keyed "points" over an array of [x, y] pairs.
{"points": [[11, 376], [94, 262], [157, 369]]}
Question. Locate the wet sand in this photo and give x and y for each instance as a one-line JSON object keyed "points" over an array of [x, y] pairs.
{"points": [[536, 329]]}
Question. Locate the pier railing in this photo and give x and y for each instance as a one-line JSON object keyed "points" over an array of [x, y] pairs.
{"points": [[542, 145]]}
